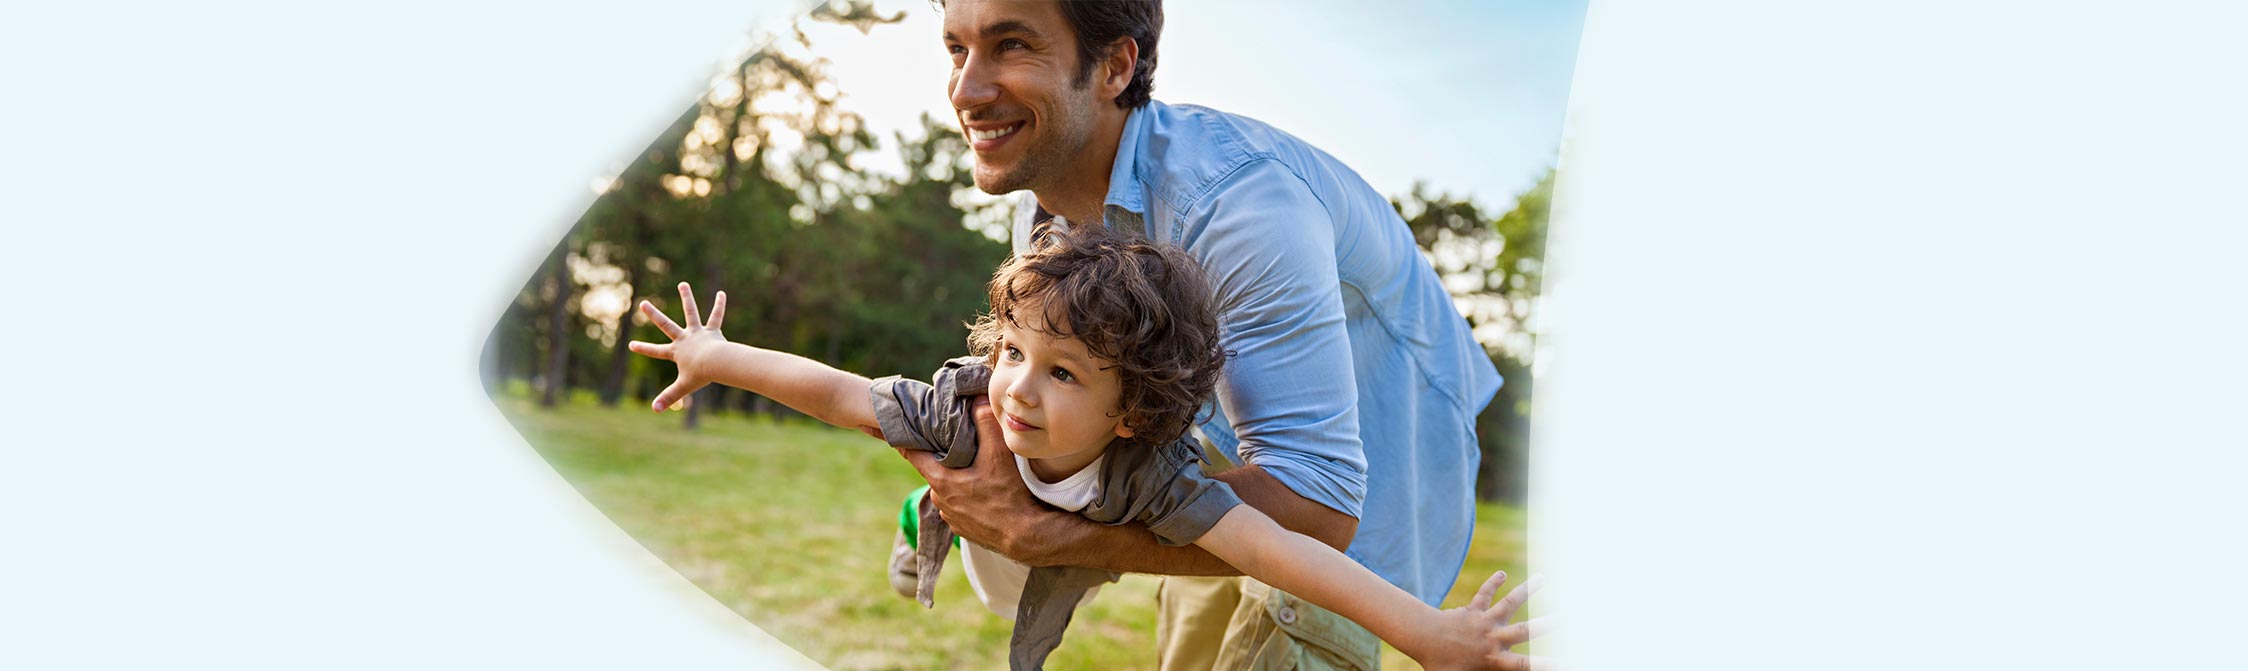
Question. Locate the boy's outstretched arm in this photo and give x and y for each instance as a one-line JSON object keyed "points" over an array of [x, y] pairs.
{"points": [[704, 357], [1474, 637]]}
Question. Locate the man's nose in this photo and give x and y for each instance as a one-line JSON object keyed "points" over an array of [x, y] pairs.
{"points": [[972, 84]]}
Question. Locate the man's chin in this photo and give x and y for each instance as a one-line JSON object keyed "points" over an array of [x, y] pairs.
{"points": [[999, 183]]}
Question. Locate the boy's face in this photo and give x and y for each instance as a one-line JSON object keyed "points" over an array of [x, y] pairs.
{"points": [[1054, 399]]}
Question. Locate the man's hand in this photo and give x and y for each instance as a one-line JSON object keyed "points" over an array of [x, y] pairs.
{"points": [[1479, 636], [688, 344], [987, 502]]}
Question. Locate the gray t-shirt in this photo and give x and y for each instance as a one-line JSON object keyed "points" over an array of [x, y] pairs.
{"points": [[1160, 486]]}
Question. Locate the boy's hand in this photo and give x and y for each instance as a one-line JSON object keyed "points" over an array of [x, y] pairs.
{"points": [[690, 346], [1478, 636]]}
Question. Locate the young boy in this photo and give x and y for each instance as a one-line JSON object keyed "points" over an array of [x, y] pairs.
{"points": [[1097, 353]]}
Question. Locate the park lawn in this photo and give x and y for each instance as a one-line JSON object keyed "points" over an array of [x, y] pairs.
{"points": [[789, 524]]}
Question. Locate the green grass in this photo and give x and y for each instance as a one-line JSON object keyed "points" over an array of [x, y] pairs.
{"points": [[789, 524]]}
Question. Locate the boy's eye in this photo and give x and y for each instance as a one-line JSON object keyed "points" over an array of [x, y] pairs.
{"points": [[1063, 374], [1012, 354]]}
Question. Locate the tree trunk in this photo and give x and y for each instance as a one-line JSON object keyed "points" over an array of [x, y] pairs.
{"points": [[558, 326], [620, 356]]}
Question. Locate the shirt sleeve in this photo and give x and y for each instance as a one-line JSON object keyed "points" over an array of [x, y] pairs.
{"points": [[932, 416], [906, 411], [1180, 503], [1289, 389]]}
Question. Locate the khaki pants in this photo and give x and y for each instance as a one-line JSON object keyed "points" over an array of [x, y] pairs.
{"points": [[1241, 624]]}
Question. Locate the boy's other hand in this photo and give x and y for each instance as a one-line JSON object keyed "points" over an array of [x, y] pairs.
{"points": [[689, 347], [1479, 636]]}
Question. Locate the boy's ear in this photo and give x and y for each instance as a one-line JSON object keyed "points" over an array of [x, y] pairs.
{"points": [[1124, 428]]}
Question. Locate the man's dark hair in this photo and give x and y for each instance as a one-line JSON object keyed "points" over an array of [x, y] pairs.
{"points": [[1100, 22], [1144, 307]]}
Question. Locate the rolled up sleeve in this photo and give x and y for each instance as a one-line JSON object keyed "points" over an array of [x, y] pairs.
{"points": [[1187, 505], [1289, 388], [932, 416], [908, 413]]}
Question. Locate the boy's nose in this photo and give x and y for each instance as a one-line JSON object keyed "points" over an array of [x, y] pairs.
{"points": [[1022, 391]]}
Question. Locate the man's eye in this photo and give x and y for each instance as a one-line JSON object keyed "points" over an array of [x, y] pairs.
{"points": [[1012, 43], [1063, 375]]}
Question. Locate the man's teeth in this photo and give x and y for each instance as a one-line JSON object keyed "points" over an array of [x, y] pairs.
{"points": [[981, 135]]}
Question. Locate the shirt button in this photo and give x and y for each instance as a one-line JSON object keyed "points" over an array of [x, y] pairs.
{"points": [[1287, 615]]}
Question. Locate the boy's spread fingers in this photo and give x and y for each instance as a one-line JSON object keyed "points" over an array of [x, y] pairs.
{"points": [[1488, 591], [687, 300], [717, 310], [1509, 661], [1537, 626], [1521, 593], [671, 397], [1521, 632], [650, 349], [663, 323]]}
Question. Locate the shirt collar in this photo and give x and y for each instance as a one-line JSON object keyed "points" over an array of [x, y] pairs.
{"points": [[1124, 190]]}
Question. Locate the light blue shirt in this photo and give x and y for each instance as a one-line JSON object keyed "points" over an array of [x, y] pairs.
{"points": [[1354, 379]]}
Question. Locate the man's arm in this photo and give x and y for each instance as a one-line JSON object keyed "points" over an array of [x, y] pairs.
{"points": [[989, 504]]}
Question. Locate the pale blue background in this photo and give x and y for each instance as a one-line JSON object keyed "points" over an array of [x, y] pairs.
{"points": [[1899, 334]]}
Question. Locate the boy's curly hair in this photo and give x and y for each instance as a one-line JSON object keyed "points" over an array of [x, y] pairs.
{"points": [[1146, 307]]}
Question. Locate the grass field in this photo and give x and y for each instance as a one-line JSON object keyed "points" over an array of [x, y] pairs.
{"points": [[789, 523]]}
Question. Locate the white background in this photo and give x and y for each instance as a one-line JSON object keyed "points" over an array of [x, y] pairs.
{"points": [[1889, 334]]}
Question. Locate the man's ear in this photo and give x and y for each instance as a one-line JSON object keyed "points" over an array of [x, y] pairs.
{"points": [[1117, 70]]}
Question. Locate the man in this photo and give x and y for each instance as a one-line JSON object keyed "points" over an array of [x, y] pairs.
{"points": [[1351, 397]]}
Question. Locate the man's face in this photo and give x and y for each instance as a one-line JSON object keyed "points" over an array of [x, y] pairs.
{"points": [[1015, 91]]}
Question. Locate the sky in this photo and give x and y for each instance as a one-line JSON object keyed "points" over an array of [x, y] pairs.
{"points": [[1466, 96]]}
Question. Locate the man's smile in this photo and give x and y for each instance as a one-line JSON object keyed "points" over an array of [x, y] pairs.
{"points": [[984, 137]]}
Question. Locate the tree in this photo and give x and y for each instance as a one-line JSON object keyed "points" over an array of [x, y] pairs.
{"points": [[556, 370]]}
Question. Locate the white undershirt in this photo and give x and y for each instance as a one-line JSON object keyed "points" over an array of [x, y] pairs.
{"points": [[997, 580]]}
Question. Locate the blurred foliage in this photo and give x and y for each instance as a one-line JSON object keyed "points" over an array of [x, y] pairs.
{"points": [[753, 190]]}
